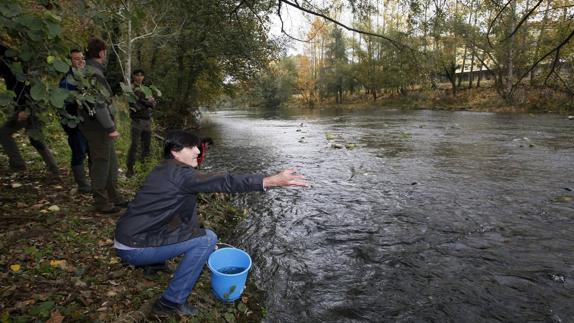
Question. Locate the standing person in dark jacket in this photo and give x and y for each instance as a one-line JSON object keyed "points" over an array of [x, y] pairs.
{"points": [[140, 113], [161, 223], [23, 117], [76, 140], [100, 131]]}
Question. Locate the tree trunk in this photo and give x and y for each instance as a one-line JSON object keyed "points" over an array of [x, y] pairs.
{"points": [[179, 58], [508, 86], [461, 74], [472, 57], [128, 67], [539, 40]]}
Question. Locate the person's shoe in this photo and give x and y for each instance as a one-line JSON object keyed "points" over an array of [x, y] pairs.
{"points": [[85, 189], [17, 168], [154, 269], [109, 210], [162, 306]]}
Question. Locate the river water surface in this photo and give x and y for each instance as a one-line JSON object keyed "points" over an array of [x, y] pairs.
{"points": [[425, 216]]}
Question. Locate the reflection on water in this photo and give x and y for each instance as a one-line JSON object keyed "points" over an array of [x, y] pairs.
{"points": [[432, 216]]}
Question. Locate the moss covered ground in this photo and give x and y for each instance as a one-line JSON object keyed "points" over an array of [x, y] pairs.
{"points": [[57, 261]]}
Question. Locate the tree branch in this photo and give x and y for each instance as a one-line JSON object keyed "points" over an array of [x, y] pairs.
{"points": [[395, 43], [491, 25], [523, 20], [557, 48], [283, 29], [553, 67]]}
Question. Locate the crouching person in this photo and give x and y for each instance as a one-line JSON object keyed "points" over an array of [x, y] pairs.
{"points": [[161, 222]]}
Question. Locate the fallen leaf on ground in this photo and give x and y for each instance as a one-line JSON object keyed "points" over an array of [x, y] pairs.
{"points": [[54, 208], [56, 317], [62, 264], [15, 268]]}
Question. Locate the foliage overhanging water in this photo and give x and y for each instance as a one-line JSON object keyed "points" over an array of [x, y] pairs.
{"points": [[428, 216]]}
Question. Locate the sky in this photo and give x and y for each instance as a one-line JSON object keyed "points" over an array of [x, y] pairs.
{"points": [[296, 23]]}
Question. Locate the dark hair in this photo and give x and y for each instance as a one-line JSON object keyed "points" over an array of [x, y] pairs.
{"points": [[138, 71], [176, 140], [74, 50], [95, 45]]}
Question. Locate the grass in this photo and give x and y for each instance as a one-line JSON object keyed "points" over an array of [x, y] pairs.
{"points": [[57, 260]]}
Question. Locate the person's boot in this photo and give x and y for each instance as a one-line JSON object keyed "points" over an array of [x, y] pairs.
{"points": [[152, 269], [81, 179], [107, 209], [164, 306], [50, 161], [15, 160]]}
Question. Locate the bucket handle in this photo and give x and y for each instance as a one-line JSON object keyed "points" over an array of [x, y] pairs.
{"points": [[223, 245]]}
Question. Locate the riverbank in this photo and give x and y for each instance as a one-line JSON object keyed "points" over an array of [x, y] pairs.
{"points": [[57, 260], [483, 99]]}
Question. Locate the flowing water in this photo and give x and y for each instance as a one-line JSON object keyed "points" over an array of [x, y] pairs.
{"points": [[425, 216]]}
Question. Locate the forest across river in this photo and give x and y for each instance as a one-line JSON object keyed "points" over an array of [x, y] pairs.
{"points": [[411, 216]]}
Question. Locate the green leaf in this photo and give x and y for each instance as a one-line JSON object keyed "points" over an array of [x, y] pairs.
{"points": [[90, 99], [38, 91], [35, 35], [58, 97], [156, 91], [10, 9], [146, 91], [71, 80], [30, 22], [125, 88], [7, 98], [11, 53], [50, 59], [42, 309], [26, 55], [54, 30], [50, 15], [241, 307], [61, 66], [229, 317], [16, 68]]}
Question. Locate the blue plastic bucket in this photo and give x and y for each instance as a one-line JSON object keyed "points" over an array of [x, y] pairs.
{"points": [[229, 268]]}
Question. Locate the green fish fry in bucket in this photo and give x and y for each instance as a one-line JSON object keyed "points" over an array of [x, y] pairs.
{"points": [[229, 268]]}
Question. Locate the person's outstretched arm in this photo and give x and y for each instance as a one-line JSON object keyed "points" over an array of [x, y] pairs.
{"points": [[287, 177]]}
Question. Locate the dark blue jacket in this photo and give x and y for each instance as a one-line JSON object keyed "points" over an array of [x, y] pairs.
{"points": [[164, 210], [71, 107]]}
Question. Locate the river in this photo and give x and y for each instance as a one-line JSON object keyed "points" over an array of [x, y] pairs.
{"points": [[418, 216]]}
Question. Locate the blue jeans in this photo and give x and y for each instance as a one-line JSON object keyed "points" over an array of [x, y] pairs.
{"points": [[195, 253], [78, 144]]}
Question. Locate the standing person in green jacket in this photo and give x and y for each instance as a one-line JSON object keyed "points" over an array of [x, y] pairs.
{"points": [[99, 128]]}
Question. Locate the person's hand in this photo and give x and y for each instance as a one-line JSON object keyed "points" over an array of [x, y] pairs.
{"points": [[287, 177], [152, 101], [114, 135], [22, 116]]}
